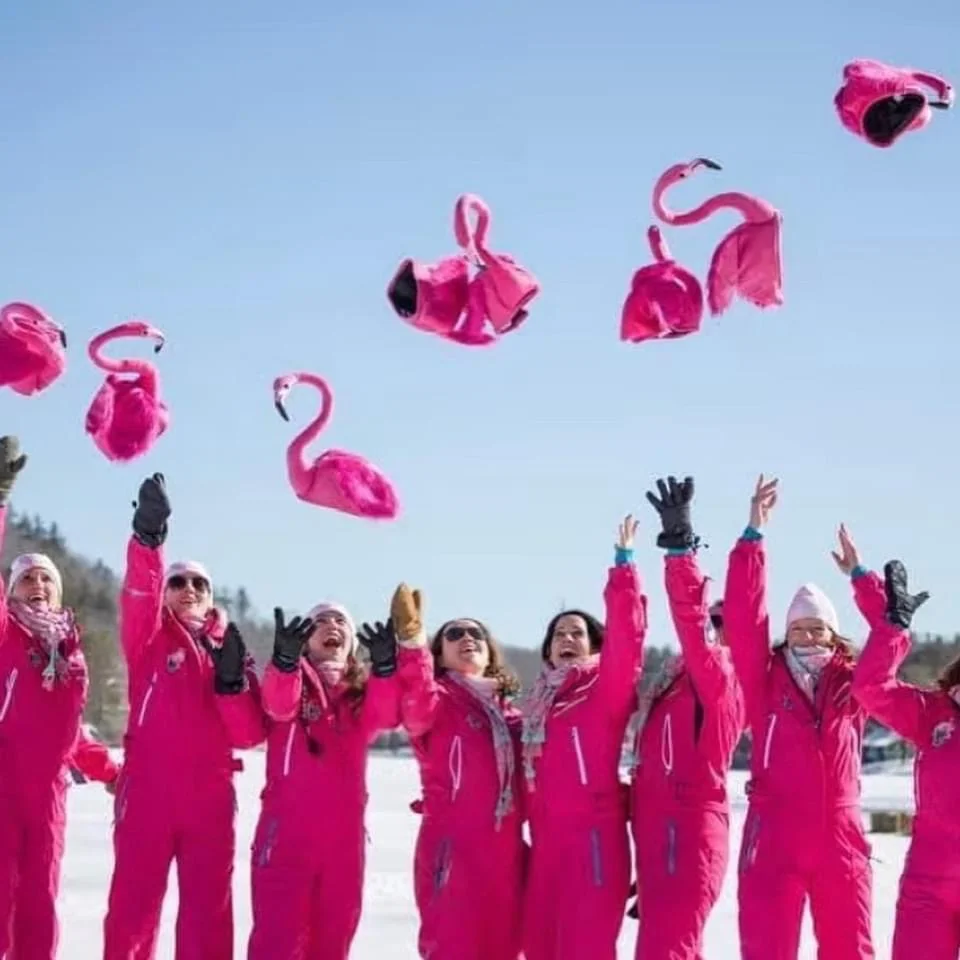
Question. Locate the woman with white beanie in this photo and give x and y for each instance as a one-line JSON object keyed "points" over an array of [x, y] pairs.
{"points": [[804, 836], [43, 690], [324, 707]]}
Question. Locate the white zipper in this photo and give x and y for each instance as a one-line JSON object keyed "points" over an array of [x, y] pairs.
{"points": [[455, 762], [288, 750], [582, 767], [146, 701], [8, 696], [666, 745], [769, 741]]}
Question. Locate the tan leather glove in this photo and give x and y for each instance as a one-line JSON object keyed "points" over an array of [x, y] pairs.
{"points": [[406, 611]]}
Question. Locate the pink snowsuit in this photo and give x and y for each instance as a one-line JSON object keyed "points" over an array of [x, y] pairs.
{"points": [[38, 730], [308, 854], [680, 813], [803, 835], [468, 870], [928, 907], [175, 797], [580, 862]]}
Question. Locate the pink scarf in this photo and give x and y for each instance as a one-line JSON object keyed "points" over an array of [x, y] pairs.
{"points": [[484, 690], [48, 629]]}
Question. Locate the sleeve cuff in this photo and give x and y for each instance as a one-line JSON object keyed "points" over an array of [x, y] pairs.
{"points": [[752, 533], [622, 557], [679, 551], [858, 571]]}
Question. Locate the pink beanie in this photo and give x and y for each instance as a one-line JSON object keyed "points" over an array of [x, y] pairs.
{"points": [[325, 607], [810, 602], [26, 562]]}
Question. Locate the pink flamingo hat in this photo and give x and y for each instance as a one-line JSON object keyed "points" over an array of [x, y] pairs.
{"points": [[336, 479], [32, 349], [747, 261], [665, 300], [504, 289], [880, 103], [430, 297], [127, 415]]}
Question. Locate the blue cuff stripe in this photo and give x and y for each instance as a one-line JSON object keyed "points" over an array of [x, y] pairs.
{"points": [[752, 533], [858, 571], [678, 551], [622, 557]]}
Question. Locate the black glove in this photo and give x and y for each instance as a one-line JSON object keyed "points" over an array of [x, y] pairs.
{"points": [[152, 510], [229, 661], [673, 506], [901, 604], [289, 640], [12, 461], [380, 642]]}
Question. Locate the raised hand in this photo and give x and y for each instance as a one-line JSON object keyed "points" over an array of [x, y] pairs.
{"points": [[626, 532], [12, 461], [380, 642], [673, 505], [763, 501], [152, 510], [406, 614], [289, 639], [229, 661], [848, 558], [901, 604]]}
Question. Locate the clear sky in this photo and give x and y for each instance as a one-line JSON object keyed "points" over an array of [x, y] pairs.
{"points": [[247, 175]]}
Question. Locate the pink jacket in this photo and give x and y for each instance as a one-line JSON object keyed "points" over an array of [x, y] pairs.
{"points": [[805, 756], [177, 725], [38, 727], [929, 719], [451, 738], [318, 740], [691, 727], [577, 773]]}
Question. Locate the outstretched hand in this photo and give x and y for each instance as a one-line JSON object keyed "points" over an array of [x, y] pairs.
{"points": [[848, 557], [151, 511], [12, 461], [763, 501], [673, 505], [289, 639], [901, 604], [229, 661], [626, 532], [406, 614], [380, 642]]}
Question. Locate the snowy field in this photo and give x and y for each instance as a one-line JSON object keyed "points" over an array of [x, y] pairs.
{"points": [[389, 926]]}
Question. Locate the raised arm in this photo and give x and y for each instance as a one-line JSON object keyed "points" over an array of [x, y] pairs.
{"points": [[12, 461], [745, 616], [625, 627], [141, 599], [898, 705], [283, 678], [418, 690], [381, 701], [237, 690]]}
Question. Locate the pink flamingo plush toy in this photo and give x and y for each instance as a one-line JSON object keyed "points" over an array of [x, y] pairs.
{"points": [[665, 300], [336, 479], [441, 298], [880, 103], [32, 349], [747, 260], [127, 415]]}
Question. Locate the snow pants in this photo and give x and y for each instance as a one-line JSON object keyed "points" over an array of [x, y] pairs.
{"points": [[189, 819], [306, 885], [468, 884], [788, 855], [577, 889], [31, 852], [681, 861], [928, 907]]}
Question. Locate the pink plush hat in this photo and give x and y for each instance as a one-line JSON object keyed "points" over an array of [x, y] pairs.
{"points": [[26, 562], [325, 607], [811, 602]]}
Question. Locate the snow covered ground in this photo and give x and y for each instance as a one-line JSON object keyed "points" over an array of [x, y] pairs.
{"points": [[389, 926]]}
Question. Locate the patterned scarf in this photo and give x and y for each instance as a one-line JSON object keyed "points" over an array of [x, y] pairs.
{"points": [[536, 707], [49, 629], [806, 664], [484, 691]]}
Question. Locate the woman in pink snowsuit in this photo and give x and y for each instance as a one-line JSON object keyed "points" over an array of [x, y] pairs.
{"points": [[194, 698], [308, 855], [574, 723], [468, 867], [803, 836], [43, 690], [928, 907], [689, 724]]}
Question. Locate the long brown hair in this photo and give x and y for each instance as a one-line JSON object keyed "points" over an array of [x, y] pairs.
{"points": [[508, 684], [950, 675]]}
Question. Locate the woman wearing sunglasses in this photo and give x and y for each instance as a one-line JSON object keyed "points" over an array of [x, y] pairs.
{"points": [[456, 706], [689, 723], [803, 837], [574, 723], [325, 708], [194, 698]]}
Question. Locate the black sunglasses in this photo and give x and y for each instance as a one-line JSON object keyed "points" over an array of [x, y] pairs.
{"points": [[179, 582], [458, 633]]}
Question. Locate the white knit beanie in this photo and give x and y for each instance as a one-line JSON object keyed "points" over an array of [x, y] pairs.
{"points": [[326, 607], [810, 602], [188, 568], [26, 562]]}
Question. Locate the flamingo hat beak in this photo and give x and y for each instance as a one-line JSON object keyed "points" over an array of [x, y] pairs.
{"points": [[709, 164], [63, 338], [281, 387], [940, 104], [154, 334]]}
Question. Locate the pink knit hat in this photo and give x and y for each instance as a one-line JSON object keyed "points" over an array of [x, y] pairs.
{"points": [[26, 562], [810, 602], [326, 607]]}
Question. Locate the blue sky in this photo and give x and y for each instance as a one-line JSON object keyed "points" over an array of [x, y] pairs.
{"points": [[247, 176]]}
